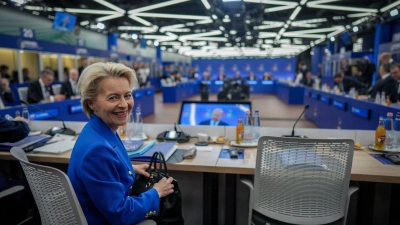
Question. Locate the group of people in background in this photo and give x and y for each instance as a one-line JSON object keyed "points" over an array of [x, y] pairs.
{"points": [[40, 90]]}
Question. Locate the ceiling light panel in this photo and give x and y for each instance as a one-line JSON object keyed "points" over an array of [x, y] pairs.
{"points": [[173, 16], [295, 13], [109, 5], [110, 17], [390, 6], [156, 6], [320, 5], [140, 20], [206, 4], [355, 15], [89, 11]]}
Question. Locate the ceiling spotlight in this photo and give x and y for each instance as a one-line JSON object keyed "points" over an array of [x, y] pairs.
{"points": [[101, 26], [226, 35], [355, 29], [248, 33], [221, 28], [311, 53], [249, 37], [156, 43], [228, 44], [215, 17], [190, 24], [134, 36], [226, 16], [149, 42], [332, 39], [394, 12], [237, 15], [285, 26], [248, 21], [163, 48], [238, 39], [233, 32]]}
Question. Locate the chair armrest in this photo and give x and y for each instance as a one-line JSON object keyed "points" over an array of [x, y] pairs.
{"points": [[11, 190], [352, 189], [248, 181]]}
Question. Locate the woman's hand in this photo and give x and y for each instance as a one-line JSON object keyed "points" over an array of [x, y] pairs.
{"points": [[164, 187], [141, 169]]}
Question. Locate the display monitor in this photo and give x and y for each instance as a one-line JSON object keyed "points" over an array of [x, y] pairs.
{"points": [[213, 113], [64, 22]]}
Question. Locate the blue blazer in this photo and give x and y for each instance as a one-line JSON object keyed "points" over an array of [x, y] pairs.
{"points": [[102, 174]]}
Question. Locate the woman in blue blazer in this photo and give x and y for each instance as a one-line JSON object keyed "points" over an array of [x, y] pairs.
{"points": [[100, 169]]}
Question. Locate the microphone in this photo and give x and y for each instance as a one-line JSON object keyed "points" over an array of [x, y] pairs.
{"points": [[54, 130], [298, 136]]}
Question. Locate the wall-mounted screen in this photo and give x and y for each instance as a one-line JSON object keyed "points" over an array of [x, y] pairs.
{"points": [[64, 22]]}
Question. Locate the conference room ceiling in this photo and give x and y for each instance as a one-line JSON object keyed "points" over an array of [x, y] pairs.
{"points": [[223, 28]]}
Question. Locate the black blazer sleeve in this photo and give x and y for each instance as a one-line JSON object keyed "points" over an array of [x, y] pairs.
{"points": [[66, 89], [34, 92], [13, 131], [390, 89]]}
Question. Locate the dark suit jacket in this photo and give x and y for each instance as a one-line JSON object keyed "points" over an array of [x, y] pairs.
{"points": [[349, 83], [308, 83], [13, 131], [35, 94], [347, 70], [387, 85], [66, 89], [81, 69], [6, 97], [102, 188], [207, 122]]}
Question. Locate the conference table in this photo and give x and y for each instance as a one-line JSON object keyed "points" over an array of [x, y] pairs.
{"points": [[180, 91], [256, 86], [289, 93], [329, 110], [207, 178]]}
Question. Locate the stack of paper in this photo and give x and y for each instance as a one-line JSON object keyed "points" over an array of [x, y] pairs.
{"points": [[60, 143], [27, 143], [167, 148]]}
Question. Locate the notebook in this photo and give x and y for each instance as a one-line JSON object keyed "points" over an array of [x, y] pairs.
{"points": [[140, 151], [25, 143], [131, 145], [167, 148], [60, 143]]}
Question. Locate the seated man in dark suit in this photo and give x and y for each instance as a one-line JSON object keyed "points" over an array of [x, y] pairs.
{"points": [[70, 87], [346, 83], [308, 81], [386, 84], [13, 131], [215, 119], [252, 76], [395, 71], [41, 90], [6, 95]]}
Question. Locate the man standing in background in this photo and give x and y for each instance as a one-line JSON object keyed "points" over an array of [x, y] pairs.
{"points": [[70, 87]]}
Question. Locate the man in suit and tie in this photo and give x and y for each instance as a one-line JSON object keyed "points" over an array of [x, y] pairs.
{"points": [[6, 95], [346, 83], [41, 90], [215, 120], [70, 87], [395, 71], [309, 81], [386, 84], [85, 64]]}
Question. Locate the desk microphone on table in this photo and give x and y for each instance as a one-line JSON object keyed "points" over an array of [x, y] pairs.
{"points": [[54, 130], [298, 136]]}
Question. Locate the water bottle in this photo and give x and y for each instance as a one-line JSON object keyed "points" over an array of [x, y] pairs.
{"points": [[256, 128], [378, 98], [130, 127], [389, 131], [248, 133], [25, 115], [383, 99], [138, 124], [397, 131]]}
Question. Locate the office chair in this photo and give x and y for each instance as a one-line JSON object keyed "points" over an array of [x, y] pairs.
{"points": [[23, 93], [53, 193], [301, 181]]}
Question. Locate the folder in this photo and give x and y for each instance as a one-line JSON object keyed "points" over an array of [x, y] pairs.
{"points": [[26, 144], [167, 148]]}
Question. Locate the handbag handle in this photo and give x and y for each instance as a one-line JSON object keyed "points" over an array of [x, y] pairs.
{"points": [[161, 168]]}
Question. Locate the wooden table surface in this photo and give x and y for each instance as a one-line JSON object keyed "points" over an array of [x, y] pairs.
{"points": [[364, 168]]}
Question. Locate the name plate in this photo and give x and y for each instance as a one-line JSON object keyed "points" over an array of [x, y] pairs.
{"points": [[267, 82], [219, 82], [206, 82], [251, 82], [150, 92], [75, 108], [326, 100], [44, 115], [315, 96], [361, 112], [339, 104], [139, 94], [307, 93]]}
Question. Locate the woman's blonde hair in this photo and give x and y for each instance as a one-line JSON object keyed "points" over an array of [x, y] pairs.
{"points": [[88, 84]]}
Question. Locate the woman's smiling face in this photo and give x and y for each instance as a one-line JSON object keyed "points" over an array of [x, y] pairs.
{"points": [[114, 102]]}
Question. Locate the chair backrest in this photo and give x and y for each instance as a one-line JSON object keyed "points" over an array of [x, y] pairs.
{"points": [[53, 192], [302, 181], [56, 88], [23, 93]]}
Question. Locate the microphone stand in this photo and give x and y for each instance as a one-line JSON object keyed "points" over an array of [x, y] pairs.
{"points": [[53, 130], [297, 136]]}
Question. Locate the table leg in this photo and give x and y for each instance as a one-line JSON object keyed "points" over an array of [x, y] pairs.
{"points": [[210, 198]]}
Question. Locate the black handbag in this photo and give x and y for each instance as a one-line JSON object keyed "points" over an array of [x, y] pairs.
{"points": [[170, 212]]}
